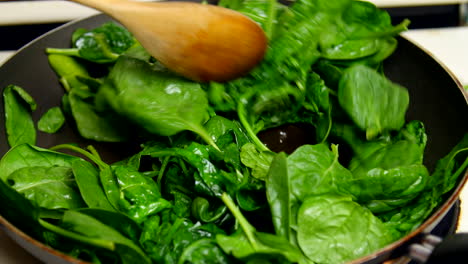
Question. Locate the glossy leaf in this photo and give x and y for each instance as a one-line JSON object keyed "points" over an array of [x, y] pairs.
{"points": [[140, 196], [49, 187]]}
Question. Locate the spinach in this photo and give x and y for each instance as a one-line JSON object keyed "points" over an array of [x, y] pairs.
{"points": [[258, 161], [88, 230], [315, 170], [201, 210], [323, 229], [68, 69], [19, 210], [158, 101], [381, 163], [139, 196], [446, 174], [250, 244], [87, 179], [106, 177], [279, 194], [203, 251], [120, 222], [51, 121], [49, 187], [94, 125], [102, 45], [19, 125], [375, 104], [168, 241], [25, 155]]}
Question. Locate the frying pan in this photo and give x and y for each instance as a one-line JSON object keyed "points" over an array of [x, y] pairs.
{"points": [[436, 98]]}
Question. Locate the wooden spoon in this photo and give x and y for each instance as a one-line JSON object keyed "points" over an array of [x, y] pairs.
{"points": [[199, 41]]}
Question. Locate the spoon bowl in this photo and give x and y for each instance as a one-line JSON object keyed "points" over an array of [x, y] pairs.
{"points": [[199, 41]]}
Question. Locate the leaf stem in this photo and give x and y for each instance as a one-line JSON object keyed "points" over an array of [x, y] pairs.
{"points": [[83, 152], [242, 118], [72, 235], [68, 52], [244, 223]]}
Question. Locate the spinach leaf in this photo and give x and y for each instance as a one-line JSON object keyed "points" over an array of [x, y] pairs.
{"points": [[98, 126], [334, 229], [315, 170], [208, 179], [68, 69], [87, 179], [258, 161], [120, 222], [166, 241], [25, 155], [249, 242], [140, 196], [19, 125], [382, 190], [450, 168], [88, 230], [107, 178], [201, 210], [375, 104], [51, 121], [102, 45], [20, 211], [203, 251], [49, 187], [158, 101], [446, 174], [388, 172], [278, 194]]}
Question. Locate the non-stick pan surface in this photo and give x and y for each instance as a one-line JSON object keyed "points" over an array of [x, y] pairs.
{"points": [[436, 98]]}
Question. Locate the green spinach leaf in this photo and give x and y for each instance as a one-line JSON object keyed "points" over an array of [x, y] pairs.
{"points": [[102, 45], [87, 179], [375, 104], [49, 187], [158, 101], [51, 121], [334, 229], [19, 125]]}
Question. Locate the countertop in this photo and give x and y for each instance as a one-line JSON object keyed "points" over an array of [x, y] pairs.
{"points": [[448, 45]]}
